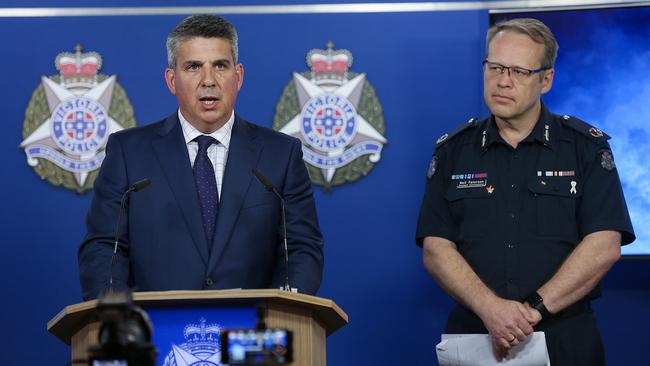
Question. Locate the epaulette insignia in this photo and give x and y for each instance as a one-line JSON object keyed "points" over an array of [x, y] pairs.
{"points": [[448, 136], [585, 128], [595, 132], [432, 167]]}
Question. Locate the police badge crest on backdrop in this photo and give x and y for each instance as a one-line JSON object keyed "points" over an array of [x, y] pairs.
{"points": [[200, 347], [182, 341], [336, 114], [69, 118]]}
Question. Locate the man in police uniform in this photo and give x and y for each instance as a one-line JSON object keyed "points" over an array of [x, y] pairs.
{"points": [[523, 212]]}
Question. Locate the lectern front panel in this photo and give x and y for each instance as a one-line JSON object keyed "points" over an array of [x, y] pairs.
{"points": [[190, 335]]}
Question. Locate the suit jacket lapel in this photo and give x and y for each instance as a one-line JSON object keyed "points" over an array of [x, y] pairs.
{"points": [[243, 154], [171, 151]]}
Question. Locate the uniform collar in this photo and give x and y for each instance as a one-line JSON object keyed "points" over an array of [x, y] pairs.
{"points": [[543, 132]]}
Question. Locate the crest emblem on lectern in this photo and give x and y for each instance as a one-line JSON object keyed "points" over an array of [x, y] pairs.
{"points": [[336, 114], [201, 346], [69, 118]]}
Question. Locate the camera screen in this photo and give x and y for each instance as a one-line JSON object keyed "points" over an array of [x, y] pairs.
{"points": [[256, 346]]}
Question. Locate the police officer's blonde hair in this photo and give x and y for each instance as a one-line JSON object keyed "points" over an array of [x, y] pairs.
{"points": [[534, 29]]}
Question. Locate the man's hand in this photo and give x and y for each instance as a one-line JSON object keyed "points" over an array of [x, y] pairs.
{"points": [[536, 316], [509, 322]]}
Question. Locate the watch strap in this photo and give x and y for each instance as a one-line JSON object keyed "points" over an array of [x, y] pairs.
{"points": [[537, 302]]}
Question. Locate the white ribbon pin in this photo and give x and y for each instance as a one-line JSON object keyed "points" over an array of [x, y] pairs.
{"points": [[573, 187]]}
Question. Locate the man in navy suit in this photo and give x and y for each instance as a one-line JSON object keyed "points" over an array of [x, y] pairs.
{"points": [[205, 222]]}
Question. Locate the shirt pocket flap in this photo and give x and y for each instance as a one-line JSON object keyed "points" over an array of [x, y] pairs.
{"points": [[556, 186], [455, 194]]}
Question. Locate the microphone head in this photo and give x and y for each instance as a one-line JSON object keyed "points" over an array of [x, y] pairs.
{"points": [[262, 179], [141, 184]]}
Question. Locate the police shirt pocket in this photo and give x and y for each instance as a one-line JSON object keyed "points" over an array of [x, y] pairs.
{"points": [[470, 209], [556, 201]]}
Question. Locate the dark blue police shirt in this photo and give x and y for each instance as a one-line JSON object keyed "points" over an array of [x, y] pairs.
{"points": [[516, 214]]}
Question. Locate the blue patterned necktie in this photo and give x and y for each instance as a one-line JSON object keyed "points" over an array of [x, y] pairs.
{"points": [[206, 185]]}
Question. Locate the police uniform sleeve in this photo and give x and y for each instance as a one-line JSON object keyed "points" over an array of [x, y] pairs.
{"points": [[435, 217], [603, 205]]}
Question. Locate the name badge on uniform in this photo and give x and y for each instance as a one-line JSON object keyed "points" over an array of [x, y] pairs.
{"points": [[470, 180]]}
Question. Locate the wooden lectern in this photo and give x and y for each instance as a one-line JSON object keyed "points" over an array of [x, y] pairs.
{"points": [[310, 318]]}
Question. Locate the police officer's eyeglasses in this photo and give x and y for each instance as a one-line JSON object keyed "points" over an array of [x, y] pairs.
{"points": [[521, 74]]}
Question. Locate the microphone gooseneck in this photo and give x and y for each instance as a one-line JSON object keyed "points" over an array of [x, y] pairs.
{"points": [[271, 188], [137, 186]]}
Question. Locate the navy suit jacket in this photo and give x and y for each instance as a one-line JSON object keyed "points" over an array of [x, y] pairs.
{"points": [[162, 242]]}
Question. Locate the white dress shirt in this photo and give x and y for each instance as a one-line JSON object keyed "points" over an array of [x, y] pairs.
{"points": [[217, 152]]}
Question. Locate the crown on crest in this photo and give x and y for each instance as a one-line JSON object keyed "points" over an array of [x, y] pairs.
{"points": [[201, 332], [78, 69], [330, 64]]}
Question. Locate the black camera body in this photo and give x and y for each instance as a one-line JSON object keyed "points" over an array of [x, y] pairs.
{"points": [[125, 334]]}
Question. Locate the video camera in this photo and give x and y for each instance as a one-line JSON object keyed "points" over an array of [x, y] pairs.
{"points": [[124, 335]]}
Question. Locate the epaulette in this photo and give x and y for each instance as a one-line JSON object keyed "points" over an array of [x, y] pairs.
{"points": [[592, 133], [472, 122]]}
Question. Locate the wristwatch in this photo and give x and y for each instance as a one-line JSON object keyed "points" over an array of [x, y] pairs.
{"points": [[536, 302]]}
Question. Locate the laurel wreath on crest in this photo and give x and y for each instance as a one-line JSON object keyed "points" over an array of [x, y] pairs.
{"points": [[38, 112], [369, 108]]}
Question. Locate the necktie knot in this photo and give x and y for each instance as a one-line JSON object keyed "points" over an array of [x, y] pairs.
{"points": [[204, 141]]}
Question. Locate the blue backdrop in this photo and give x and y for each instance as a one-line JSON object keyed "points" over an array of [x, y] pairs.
{"points": [[425, 68]]}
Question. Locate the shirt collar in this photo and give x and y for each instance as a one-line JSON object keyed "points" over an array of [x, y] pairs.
{"points": [[222, 135], [543, 132]]}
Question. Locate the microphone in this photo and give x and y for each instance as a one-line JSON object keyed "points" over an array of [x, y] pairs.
{"points": [[271, 188], [137, 186]]}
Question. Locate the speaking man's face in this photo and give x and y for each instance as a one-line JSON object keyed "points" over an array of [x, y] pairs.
{"points": [[206, 81]]}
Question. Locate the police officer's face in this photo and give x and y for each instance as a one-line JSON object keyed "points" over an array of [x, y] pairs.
{"points": [[513, 99], [206, 81]]}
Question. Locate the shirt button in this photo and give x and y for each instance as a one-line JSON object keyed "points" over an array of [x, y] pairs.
{"points": [[512, 216], [209, 282], [510, 246], [513, 186]]}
